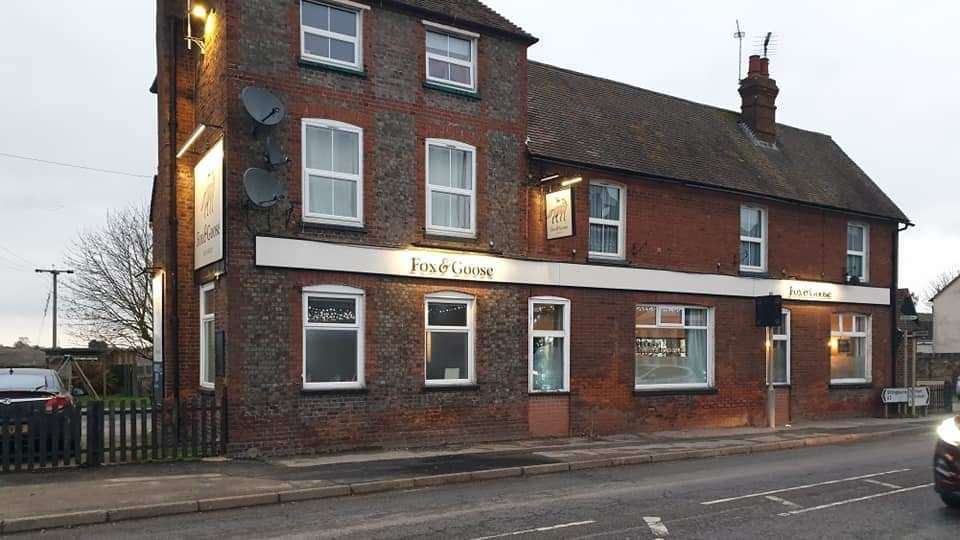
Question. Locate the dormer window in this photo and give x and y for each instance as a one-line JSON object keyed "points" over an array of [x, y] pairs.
{"points": [[331, 33], [451, 56]]}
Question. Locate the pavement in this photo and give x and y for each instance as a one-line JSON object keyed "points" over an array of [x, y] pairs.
{"points": [[53, 499]]}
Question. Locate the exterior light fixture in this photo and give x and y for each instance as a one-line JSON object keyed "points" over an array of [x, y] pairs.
{"points": [[198, 11], [193, 138], [571, 181], [549, 178]]}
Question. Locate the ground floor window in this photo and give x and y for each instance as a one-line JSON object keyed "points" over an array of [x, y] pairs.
{"points": [[850, 348], [781, 350], [332, 337], [673, 347], [549, 344], [207, 335], [449, 339]]}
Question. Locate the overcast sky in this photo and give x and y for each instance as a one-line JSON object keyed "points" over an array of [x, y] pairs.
{"points": [[881, 77]]}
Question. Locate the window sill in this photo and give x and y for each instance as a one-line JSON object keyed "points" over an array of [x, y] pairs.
{"points": [[673, 392], [453, 387], [469, 94], [334, 390], [316, 64], [208, 388], [449, 235], [327, 226], [851, 386], [548, 393], [754, 273], [608, 261]]}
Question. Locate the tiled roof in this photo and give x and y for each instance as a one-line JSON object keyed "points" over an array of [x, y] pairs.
{"points": [[593, 121], [470, 11]]}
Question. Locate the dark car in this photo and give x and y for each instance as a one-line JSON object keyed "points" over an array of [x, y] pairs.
{"points": [[27, 396], [946, 462]]}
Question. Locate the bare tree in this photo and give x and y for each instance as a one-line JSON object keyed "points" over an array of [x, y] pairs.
{"points": [[109, 297], [940, 282]]}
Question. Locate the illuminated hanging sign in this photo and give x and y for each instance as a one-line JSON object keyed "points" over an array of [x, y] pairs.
{"points": [[559, 207], [208, 207], [450, 267]]}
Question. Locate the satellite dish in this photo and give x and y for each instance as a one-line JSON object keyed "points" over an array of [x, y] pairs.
{"points": [[265, 108], [261, 187], [275, 155]]}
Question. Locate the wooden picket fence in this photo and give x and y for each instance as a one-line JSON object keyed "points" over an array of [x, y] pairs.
{"points": [[111, 432]]}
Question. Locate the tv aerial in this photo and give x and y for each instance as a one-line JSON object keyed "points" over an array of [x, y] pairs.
{"points": [[265, 108], [739, 35], [262, 188]]}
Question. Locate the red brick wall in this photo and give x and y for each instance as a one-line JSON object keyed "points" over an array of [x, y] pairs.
{"points": [[549, 415], [674, 227]]}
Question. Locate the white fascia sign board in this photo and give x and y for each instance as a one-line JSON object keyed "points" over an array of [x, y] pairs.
{"points": [[423, 263]]}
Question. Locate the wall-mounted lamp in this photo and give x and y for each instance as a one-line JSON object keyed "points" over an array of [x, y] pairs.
{"points": [[549, 178], [202, 13], [571, 181]]}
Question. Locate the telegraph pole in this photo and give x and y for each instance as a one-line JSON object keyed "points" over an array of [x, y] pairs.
{"points": [[54, 272]]}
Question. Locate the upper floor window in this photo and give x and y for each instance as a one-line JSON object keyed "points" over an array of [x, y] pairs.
{"points": [[857, 244], [451, 56], [850, 348], [332, 337], [331, 32], [607, 217], [753, 239], [332, 172], [674, 347], [451, 188], [549, 344], [781, 350], [207, 335], [449, 339]]}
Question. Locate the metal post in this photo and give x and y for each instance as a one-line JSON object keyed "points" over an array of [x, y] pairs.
{"points": [[913, 380], [771, 392]]}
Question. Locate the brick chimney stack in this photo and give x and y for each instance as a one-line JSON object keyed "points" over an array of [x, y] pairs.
{"points": [[759, 94]]}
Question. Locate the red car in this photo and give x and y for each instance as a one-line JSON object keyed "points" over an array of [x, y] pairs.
{"points": [[946, 462]]}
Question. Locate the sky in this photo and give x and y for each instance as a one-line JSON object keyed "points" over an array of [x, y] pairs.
{"points": [[880, 77]]}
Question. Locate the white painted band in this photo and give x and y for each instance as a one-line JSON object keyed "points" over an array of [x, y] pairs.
{"points": [[424, 263]]}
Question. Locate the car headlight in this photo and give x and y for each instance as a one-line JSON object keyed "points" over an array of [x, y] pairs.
{"points": [[949, 432]]}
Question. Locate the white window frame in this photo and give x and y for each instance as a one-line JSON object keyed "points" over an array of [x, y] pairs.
{"points": [[470, 329], [357, 41], [868, 346], [565, 334], [470, 232], [711, 375], [764, 235], [621, 223], [786, 338], [204, 318], [864, 254], [336, 292], [450, 31], [316, 217]]}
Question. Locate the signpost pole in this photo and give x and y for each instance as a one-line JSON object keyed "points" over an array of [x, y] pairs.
{"points": [[771, 395]]}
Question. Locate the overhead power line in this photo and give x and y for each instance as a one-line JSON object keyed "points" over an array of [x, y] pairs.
{"points": [[74, 165]]}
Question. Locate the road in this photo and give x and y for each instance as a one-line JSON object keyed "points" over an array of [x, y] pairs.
{"points": [[870, 490]]}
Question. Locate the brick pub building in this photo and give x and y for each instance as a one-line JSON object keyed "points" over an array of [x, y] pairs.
{"points": [[404, 290]]}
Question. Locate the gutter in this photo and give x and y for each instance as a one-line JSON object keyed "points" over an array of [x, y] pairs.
{"points": [[708, 187]]}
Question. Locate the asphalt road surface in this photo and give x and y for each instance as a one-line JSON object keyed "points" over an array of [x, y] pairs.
{"points": [[872, 490]]}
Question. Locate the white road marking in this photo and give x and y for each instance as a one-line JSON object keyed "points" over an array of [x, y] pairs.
{"points": [[858, 499], [656, 526], [884, 484], [805, 486], [538, 529], [169, 477], [782, 501]]}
